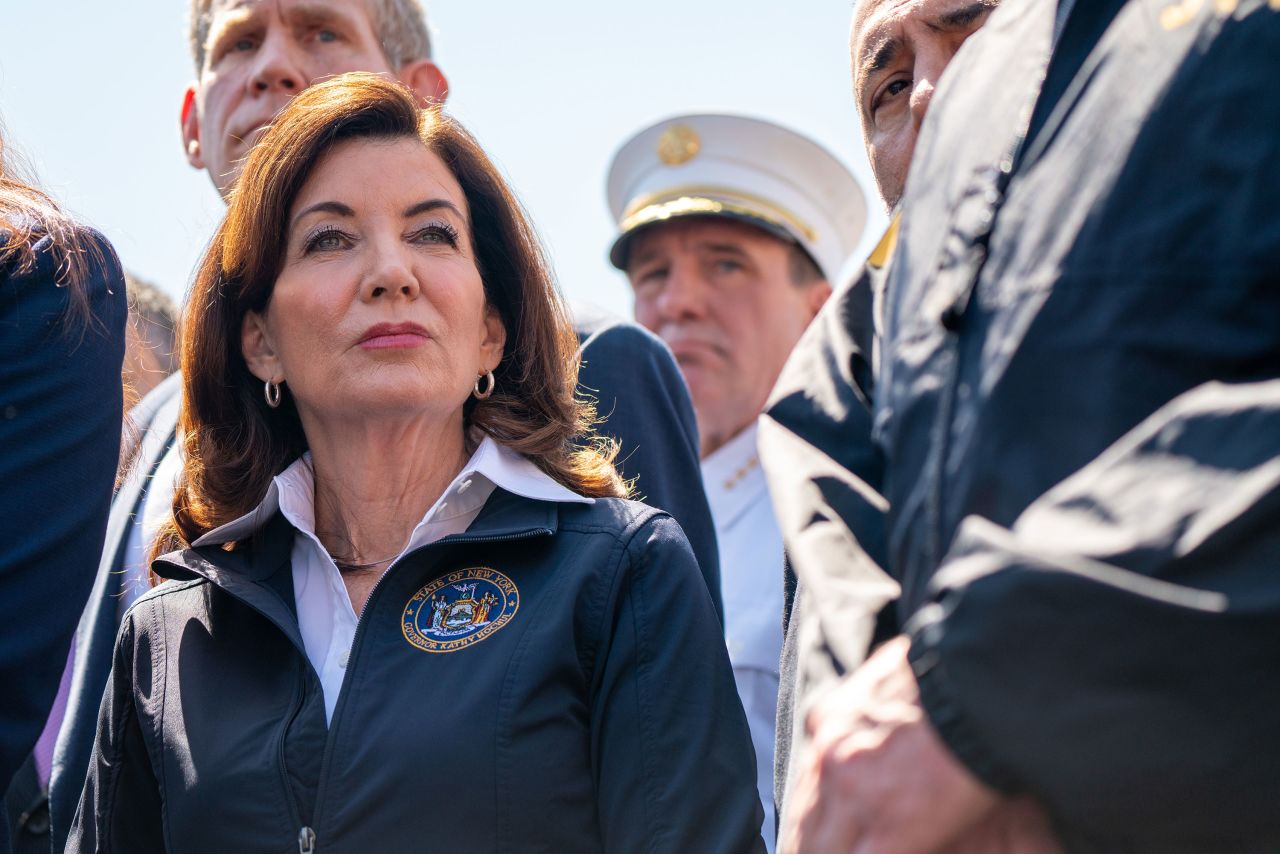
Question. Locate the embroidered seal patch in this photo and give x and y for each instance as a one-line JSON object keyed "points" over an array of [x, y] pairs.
{"points": [[459, 609]]}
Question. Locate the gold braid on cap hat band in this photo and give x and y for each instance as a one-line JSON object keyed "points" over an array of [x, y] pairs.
{"points": [[682, 201]]}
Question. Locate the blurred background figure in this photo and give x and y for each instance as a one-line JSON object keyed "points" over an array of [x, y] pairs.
{"points": [[62, 339], [152, 350], [730, 229]]}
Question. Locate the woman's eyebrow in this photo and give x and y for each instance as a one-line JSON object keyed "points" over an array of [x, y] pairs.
{"points": [[324, 207], [431, 205]]}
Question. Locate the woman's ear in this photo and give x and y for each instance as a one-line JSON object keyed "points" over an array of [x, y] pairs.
{"points": [[494, 340], [258, 351]]}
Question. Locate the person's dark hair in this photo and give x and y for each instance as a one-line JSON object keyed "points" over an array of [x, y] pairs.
{"points": [[235, 444], [28, 218]]}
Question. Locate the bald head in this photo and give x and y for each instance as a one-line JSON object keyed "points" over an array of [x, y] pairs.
{"points": [[898, 50]]}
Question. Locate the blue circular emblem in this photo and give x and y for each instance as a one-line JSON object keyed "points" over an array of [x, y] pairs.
{"points": [[459, 609]]}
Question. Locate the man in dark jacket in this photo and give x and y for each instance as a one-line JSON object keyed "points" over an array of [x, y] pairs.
{"points": [[1079, 404], [825, 471]]}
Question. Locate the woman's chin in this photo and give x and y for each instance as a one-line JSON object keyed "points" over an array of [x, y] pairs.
{"points": [[381, 401]]}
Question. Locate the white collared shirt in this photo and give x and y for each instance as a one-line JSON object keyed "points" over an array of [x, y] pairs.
{"points": [[326, 617], [751, 569]]}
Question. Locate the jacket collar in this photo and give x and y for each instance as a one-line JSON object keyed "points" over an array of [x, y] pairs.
{"points": [[506, 516], [293, 492], [257, 572]]}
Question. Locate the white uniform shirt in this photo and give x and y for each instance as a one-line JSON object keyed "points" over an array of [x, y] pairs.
{"points": [[326, 618], [751, 570]]}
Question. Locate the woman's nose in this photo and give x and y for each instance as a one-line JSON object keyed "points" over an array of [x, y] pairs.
{"points": [[390, 274]]}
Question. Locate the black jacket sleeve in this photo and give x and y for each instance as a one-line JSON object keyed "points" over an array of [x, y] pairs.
{"points": [[1117, 652], [120, 808], [60, 415], [643, 403], [674, 764]]}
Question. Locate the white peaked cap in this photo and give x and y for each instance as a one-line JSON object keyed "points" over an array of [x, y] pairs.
{"points": [[738, 167]]}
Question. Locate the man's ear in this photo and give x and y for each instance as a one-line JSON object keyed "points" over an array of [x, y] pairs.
{"points": [[190, 120], [427, 81], [258, 351], [817, 295], [495, 339]]}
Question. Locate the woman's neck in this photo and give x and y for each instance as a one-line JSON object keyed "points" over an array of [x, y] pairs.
{"points": [[374, 482]]}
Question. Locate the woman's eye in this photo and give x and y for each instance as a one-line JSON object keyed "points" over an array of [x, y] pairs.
{"points": [[326, 240], [440, 233]]}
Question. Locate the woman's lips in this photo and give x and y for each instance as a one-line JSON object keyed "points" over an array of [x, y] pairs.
{"points": [[384, 336]]}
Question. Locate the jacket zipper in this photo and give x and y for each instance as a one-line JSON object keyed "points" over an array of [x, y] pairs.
{"points": [[290, 797], [307, 836]]}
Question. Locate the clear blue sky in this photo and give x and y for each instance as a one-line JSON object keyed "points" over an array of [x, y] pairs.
{"points": [[90, 92]]}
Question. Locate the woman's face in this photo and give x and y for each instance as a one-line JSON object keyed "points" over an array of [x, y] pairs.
{"points": [[379, 309]]}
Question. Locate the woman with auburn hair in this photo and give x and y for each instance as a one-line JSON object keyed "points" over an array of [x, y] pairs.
{"points": [[410, 612], [62, 334]]}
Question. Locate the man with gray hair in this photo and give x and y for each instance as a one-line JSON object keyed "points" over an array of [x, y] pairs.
{"points": [[251, 58]]}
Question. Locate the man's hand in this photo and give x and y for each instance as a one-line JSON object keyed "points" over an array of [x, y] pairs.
{"points": [[876, 779]]}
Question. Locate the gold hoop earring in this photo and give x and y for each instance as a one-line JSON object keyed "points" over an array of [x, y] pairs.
{"points": [[272, 393], [490, 385]]}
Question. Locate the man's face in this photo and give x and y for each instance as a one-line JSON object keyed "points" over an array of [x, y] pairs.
{"points": [[899, 49], [720, 293], [259, 54]]}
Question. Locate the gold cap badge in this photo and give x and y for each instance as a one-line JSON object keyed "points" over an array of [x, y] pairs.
{"points": [[678, 144]]}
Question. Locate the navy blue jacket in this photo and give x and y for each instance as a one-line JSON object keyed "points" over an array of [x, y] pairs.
{"points": [[60, 415], [597, 712], [1078, 407], [643, 403], [645, 406]]}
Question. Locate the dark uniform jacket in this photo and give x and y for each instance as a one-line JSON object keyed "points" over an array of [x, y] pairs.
{"points": [[1079, 411], [599, 715], [60, 411]]}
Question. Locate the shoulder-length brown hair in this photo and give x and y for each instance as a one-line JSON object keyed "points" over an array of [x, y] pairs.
{"points": [[235, 444]]}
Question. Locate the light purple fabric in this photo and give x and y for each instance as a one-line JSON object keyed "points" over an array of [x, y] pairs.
{"points": [[44, 747]]}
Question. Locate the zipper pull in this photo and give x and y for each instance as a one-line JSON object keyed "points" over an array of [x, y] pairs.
{"points": [[306, 841]]}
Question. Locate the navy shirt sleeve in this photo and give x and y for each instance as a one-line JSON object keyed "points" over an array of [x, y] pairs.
{"points": [[673, 759], [60, 417], [644, 404]]}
